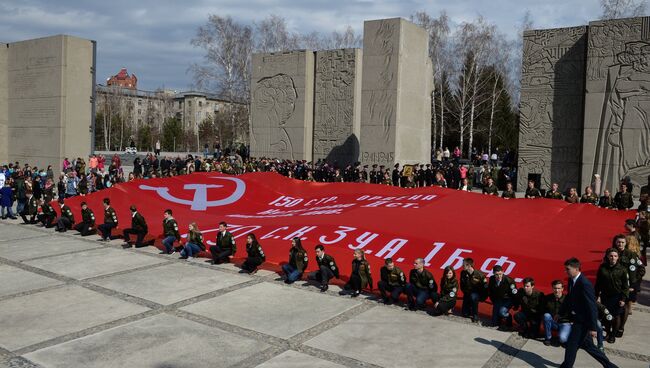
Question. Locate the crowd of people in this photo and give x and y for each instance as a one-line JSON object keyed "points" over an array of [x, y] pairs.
{"points": [[617, 283]]}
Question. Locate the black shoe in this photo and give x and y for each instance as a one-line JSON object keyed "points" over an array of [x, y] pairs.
{"points": [[182, 257], [619, 333], [355, 294], [243, 271], [126, 245], [388, 301], [141, 246], [324, 288], [162, 252], [547, 342], [611, 339]]}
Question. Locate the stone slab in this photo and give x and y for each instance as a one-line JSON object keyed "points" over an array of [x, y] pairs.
{"points": [[31, 319], [396, 93], [285, 312], [536, 354], [18, 232], [24, 249], [282, 105], [294, 359], [15, 280], [424, 341], [185, 281], [337, 106], [155, 342], [94, 263]]}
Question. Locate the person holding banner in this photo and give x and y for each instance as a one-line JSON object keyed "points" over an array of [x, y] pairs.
{"points": [[473, 283], [87, 225], [360, 277], [327, 268], [110, 221], [225, 247], [170, 232], [194, 244], [421, 286], [448, 292], [392, 281], [255, 255], [298, 262]]}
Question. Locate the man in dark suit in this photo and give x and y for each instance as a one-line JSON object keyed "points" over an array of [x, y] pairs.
{"points": [[580, 304]]}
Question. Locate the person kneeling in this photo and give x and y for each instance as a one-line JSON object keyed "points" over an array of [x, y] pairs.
{"points": [[501, 290], [194, 244], [360, 277], [421, 287], [448, 292], [298, 261], [554, 317], [531, 302], [87, 225], [225, 247], [327, 268], [64, 223], [392, 283], [47, 215], [255, 255], [138, 227]]}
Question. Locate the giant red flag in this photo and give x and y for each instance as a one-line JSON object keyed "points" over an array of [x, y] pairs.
{"points": [[526, 237]]}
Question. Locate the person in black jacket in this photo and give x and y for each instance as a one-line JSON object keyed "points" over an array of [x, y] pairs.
{"points": [[30, 209], [298, 262], [448, 292], [138, 227], [66, 220], [87, 225], [194, 244], [580, 303], [421, 286], [502, 291], [225, 247], [327, 268], [392, 281], [255, 254]]}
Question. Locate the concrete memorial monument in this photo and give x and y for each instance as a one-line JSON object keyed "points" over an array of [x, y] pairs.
{"points": [[337, 106], [46, 99], [396, 93], [585, 104], [321, 105], [282, 105]]}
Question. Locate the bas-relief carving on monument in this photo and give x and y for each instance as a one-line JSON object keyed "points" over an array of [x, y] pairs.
{"points": [[336, 124], [619, 71], [275, 102], [552, 67], [381, 102]]}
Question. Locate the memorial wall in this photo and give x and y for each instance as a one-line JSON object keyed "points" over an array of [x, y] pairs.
{"points": [[585, 104], [48, 96], [347, 105]]}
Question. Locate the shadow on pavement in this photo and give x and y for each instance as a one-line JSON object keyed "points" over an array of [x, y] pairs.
{"points": [[532, 359]]}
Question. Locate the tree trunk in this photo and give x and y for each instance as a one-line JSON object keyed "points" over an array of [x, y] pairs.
{"points": [[442, 118], [494, 98], [434, 131], [472, 112]]}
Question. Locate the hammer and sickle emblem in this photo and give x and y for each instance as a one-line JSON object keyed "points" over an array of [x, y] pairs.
{"points": [[200, 201]]}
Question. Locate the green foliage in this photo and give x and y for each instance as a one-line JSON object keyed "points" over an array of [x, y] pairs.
{"points": [[172, 135]]}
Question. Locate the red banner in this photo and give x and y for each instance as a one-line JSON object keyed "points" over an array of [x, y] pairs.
{"points": [[526, 237]]}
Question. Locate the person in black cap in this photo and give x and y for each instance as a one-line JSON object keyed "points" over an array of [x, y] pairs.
{"points": [[374, 175], [395, 175]]}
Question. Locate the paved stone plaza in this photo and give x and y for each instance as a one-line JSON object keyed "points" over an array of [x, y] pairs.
{"points": [[67, 301]]}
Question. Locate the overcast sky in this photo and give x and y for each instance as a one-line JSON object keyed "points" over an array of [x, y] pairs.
{"points": [[152, 37]]}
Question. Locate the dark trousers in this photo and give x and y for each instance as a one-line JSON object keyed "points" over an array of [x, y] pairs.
{"points": [[105, 229], [46, 220], [219, 255], [31, 220], [84, 229], [323, 275], [355, 282], [470, 304], [444, 306], [417, 297], [529, 324], [251, 264], [63, 224], [139, 236], [581, 338], [389, 292]]}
